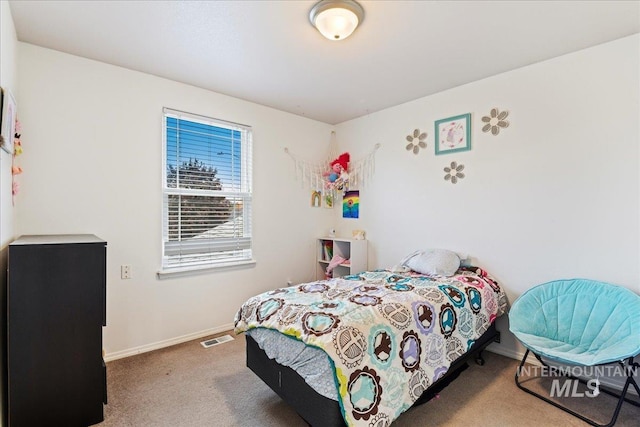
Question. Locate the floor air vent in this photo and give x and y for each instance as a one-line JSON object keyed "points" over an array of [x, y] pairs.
{"points": [[216, 341]]}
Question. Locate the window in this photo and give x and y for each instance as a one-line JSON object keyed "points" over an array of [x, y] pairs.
{"points": [[206, 192]]}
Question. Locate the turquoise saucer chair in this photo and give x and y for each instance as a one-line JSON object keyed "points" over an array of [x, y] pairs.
{"points": [[583, 323]]}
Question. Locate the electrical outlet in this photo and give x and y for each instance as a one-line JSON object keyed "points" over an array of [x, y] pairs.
{"points": [[125, 271], [497, 337]]}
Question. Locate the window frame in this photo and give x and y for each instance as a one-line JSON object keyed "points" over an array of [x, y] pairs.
{"points": [[207, 246]]}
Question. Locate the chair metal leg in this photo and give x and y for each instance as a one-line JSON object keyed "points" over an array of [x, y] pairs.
{"points": [[621, 397]]}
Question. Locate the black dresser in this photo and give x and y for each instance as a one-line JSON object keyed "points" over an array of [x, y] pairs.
{"points": [[56, 308]]}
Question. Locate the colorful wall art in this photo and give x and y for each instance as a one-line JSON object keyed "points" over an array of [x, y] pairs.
{"points": [[328, 198], [316, 196], [351, 204]]}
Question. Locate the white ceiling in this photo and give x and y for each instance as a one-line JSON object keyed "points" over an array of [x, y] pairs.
{"points": [[268, 53]]}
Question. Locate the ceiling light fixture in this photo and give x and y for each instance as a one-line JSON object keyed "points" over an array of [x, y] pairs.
{"points": [[336, 19]]}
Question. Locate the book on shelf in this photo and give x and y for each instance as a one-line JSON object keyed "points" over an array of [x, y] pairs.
{"points": [[327, 251]]}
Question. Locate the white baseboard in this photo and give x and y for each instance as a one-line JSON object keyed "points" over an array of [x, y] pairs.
{"points": [[512, 354], [166, 343]]}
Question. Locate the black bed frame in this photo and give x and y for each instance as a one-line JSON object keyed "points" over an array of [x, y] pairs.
{"points": [[318, 410]]}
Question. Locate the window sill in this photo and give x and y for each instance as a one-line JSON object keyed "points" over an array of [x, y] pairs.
{"points": [[192, 271]]}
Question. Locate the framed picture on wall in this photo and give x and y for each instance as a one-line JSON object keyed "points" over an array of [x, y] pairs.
{"points": [[316, 197], [8, 124], [351, 204], [453, 134], [328, 198]]}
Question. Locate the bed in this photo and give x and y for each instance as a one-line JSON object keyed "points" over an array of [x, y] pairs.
{"points": [[362, 349]]}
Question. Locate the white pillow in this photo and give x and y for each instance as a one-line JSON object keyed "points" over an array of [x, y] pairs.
{"points": [[433, 261]]}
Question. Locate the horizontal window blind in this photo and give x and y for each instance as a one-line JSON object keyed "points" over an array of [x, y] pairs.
{"points": [[206, 191]]}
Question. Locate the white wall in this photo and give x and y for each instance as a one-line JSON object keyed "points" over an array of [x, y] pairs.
{"points": [[92, 137], [555, 195], [8, 81]]}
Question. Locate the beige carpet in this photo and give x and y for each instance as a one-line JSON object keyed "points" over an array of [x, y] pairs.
{"points": [[188, 385]]}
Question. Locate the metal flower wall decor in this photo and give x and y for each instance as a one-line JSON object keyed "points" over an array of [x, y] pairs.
{"points": [[416, 141], [454, 172], [494, 121]]}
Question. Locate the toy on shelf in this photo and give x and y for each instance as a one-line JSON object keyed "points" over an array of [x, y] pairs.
{"points": [[335, 261]]}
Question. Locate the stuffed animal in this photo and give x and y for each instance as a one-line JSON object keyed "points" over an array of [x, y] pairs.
{"points": [[338, 177]]}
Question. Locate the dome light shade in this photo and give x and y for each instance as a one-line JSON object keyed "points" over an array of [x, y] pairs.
{"points": [[336, 19]]}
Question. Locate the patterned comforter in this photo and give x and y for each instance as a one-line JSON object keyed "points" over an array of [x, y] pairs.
{"points": [[388, 335]]}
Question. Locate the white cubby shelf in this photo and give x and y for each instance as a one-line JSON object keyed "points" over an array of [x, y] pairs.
{"points": [[354, 251]]}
